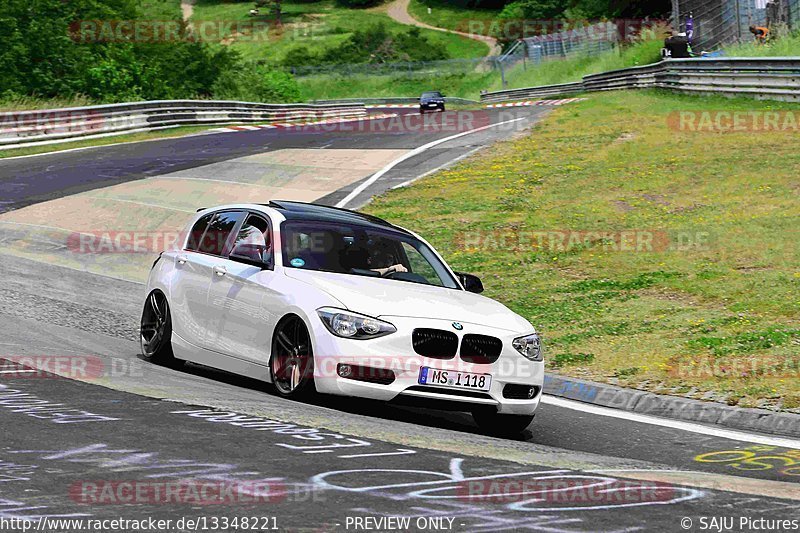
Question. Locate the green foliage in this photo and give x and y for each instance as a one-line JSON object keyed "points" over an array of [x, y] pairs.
{"points": [[567, 358], [747, 342], [257, 83], [533, 9], [374, 44], [43, 57]]}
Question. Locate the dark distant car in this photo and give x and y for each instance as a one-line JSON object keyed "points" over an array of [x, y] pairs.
{"points": [[431, 101]]}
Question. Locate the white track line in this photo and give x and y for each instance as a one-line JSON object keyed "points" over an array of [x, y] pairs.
{"points": [[673, 424], [437, 169], [415, 152]]}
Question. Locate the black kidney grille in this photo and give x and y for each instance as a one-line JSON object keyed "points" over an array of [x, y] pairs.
{"points": [[434, 343], [480, 349]]}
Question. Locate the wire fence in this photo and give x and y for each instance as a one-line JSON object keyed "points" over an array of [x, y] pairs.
{"points": [[412, 69], [716, 23], [583, 40]]}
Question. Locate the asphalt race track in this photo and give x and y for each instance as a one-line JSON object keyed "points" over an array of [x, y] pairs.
{"points": [[77, 448]]}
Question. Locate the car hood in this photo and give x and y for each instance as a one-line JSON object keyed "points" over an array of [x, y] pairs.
{"points": [[384, 297]]}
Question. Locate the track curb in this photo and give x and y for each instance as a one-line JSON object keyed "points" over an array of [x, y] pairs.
{"points": [[689, 410]]}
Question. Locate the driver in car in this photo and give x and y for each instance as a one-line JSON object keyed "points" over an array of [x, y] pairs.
{"points": [[380, 256]]}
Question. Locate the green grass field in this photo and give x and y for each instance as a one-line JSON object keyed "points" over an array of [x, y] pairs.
{"points": [[467, 85], [160, 9], [318, 26], [446, 15], [712, 315]]}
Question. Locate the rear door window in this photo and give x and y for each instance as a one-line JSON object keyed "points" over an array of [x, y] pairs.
{"points": [[219, 235], [196, 234]]}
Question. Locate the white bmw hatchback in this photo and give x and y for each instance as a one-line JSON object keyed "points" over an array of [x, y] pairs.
{"points": [[310, 297]]}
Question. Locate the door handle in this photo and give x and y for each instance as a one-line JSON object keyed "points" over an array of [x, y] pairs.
{"points": [[220, 270], [182, 259]]}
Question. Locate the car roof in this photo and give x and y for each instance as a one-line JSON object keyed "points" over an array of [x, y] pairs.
{"points": [[301, 211], [323, 213]]}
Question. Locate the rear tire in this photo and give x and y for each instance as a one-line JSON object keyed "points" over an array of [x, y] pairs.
{"points": [[501, 425], [291, 365], [155, 330]]}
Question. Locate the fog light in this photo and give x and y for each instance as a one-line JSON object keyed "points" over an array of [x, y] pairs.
{"points": [[514, 391], [345, 371]]}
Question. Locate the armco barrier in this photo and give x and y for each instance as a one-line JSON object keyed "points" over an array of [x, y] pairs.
{"points": [[766, 78], [532, 92], [393, 100], [24, 127]]}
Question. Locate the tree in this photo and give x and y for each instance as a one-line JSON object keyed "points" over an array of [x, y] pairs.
{"points": [[274, 7]]}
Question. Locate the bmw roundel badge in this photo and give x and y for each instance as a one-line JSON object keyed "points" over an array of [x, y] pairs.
{"points": [[458, 326]]}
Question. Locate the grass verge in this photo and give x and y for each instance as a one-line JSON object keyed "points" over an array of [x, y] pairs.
{"points": [[784, 46], [710, 311], [573, 69]]}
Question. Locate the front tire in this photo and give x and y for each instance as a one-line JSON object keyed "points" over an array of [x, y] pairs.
{"points": [[501, 425], [155, 330], [291, 365]]}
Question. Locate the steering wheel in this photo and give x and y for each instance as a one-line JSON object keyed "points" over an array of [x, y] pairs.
{"points": [[389, 272]]}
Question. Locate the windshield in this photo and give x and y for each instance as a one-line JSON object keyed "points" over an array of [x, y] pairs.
{"points": [[431, 95], [361, 251]]}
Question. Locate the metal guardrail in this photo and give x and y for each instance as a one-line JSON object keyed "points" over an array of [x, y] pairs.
{"points": [[44, 126], [532, 92], [393, 100], [767, 78]]}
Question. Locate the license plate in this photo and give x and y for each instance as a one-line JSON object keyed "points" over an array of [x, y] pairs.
{"points": [[452, 379], [432, 105]]}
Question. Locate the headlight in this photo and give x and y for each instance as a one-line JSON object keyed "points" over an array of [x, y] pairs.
{"points": [[353, 325], [530, 346]]}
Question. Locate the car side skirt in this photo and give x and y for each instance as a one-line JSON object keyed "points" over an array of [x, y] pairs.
{"points": [[187, 351]]}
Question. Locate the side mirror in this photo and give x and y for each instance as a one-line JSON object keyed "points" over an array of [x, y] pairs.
{"points": [[250, 255], [470, 282]]}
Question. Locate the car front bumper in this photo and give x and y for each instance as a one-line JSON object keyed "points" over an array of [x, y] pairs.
{"points": [[395, 352]]}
